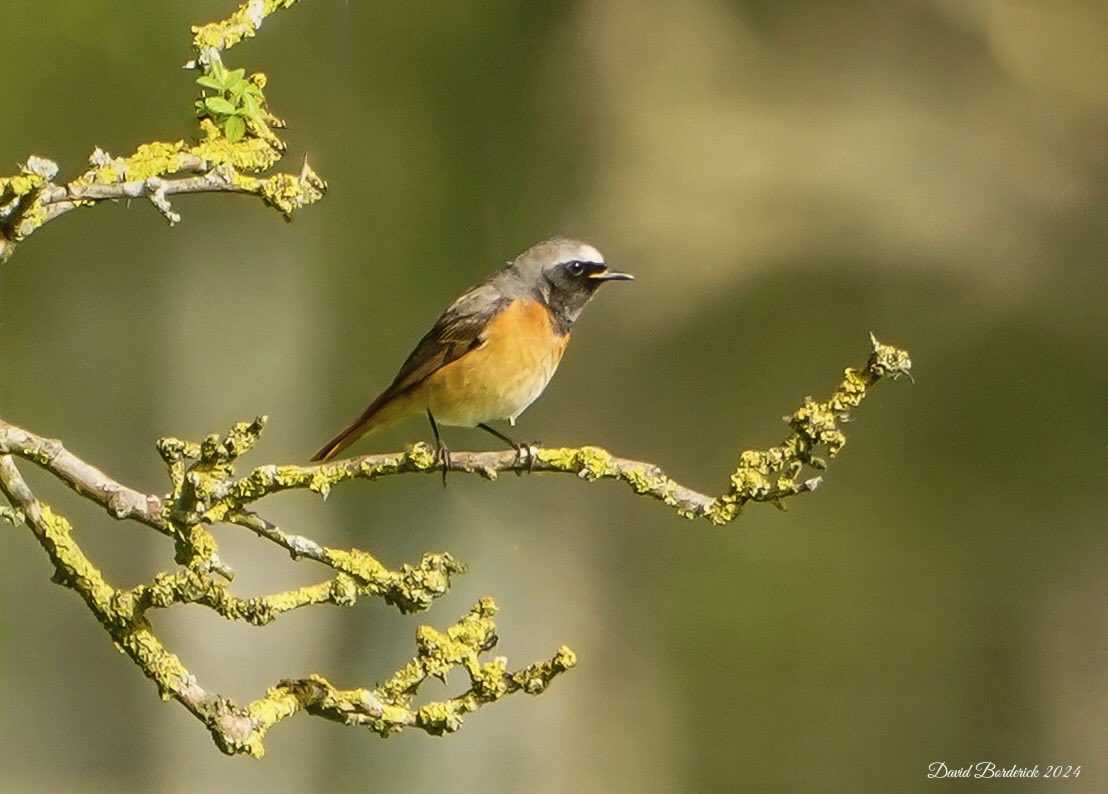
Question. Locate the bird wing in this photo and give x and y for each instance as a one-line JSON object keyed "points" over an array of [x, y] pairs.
{"points": [[459, 330]]}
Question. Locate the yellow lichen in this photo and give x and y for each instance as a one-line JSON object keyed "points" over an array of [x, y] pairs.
{"points": [[422, 456], [249, 154], [439, 718], [242, 24], [362, 566], [590, 463]]}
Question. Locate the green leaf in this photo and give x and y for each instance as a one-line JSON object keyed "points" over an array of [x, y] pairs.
{"points": [[217, 104], [235, 76], [234, 129], [207, 81]]}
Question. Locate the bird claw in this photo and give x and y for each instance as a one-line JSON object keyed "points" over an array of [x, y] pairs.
{"points": [[528, 452], [442, 455]]}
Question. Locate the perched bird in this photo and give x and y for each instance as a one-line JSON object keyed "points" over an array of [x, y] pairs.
{"points": [[491, 354]]}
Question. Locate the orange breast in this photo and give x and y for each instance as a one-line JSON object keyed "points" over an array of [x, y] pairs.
{"points": [[502, 376]]}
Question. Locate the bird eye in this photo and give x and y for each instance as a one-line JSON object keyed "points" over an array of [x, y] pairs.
{"points": [[575, 268]]}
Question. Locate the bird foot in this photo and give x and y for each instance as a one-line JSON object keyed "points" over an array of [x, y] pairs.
{"points": [[527, 452], [442, 455]]}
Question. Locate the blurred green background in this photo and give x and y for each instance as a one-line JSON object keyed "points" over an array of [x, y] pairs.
{"points": [[782, 177]]}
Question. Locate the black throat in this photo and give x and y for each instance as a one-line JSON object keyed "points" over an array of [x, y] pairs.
{"points": [[564, 305]]}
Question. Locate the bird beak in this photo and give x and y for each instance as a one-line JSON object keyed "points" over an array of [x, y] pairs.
{"points": [[611, 275]]}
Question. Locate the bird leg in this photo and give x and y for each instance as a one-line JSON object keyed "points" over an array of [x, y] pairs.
{"points": [[522, 450], [441, 450]]}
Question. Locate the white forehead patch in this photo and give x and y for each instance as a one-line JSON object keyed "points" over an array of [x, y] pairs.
{"points": [[586, 253]]}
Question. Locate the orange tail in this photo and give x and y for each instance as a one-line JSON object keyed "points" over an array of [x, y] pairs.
{"points": [[381, 411]]}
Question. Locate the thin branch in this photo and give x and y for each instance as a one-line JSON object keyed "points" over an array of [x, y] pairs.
{"points": [[120, 501], [59, 200], [771, 475], [208, 491], [242, 24], [237, 140]]}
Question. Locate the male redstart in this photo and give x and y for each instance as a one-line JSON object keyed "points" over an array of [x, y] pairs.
{"points": [[490, 354]]}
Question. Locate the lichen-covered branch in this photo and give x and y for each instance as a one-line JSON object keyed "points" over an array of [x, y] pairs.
{"points": [[242, 24], [236, 144], [237, 729], [389, 708], [771, 475], [205, 490]]}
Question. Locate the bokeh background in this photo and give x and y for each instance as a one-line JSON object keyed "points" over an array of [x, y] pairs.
{"points": [[782, 177]]}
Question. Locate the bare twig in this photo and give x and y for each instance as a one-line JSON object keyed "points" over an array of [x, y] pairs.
{"points": [[120, 501]]}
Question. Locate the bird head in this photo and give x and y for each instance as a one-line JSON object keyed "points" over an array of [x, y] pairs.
{"points": [[564, 274]]}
